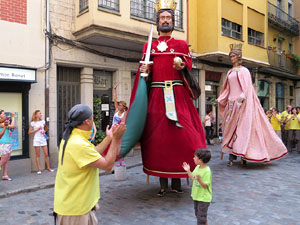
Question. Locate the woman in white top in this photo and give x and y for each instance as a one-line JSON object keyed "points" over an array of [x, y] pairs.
{"points": [[39, 128], [207, 126], [120, 114]]}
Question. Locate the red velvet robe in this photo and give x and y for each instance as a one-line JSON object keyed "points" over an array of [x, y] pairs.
{"points": [[164, 145]]}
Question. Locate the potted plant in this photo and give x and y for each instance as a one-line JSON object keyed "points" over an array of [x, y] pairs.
{"points": [[296, 59]]}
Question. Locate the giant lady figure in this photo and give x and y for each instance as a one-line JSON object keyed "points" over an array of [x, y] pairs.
{"points": [[246, 129]]}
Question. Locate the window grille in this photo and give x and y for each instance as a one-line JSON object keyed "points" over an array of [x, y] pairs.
{"points": [[255, 37], [231, 29], [109, 4], [83, 5], [145, 9]]}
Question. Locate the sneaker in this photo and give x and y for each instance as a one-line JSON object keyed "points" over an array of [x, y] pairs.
{"points": [[38, 172], [161, 193], [118, 164], [50, 170], [123, 163]]}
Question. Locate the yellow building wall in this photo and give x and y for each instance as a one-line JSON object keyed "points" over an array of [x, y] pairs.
{"points": [[206, 17], [273, 39], [297, 39], [121, 20], [203, 25]]}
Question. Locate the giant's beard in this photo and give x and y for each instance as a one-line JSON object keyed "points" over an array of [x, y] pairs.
{"points": [[167, 28]]}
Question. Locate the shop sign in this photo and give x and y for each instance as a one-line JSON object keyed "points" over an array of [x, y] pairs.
{"points": [[16, 74], [213, 76], [102, 82]]}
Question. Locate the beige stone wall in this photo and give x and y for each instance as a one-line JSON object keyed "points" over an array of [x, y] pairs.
{"points": [[37, 102], [62, 17], [120, 21], [62, 23]]}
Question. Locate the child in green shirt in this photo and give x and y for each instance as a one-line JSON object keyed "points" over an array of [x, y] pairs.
{"points": [[201, 190]]}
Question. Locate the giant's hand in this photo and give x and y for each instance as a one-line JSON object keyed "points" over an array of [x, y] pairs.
{"points": [[178, 64], [145, 68]]}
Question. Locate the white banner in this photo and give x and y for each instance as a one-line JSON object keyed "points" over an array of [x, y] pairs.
{"points": [[17, 74]]}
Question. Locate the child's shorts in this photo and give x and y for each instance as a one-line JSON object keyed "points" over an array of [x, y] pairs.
{"points": [[201, 211]]}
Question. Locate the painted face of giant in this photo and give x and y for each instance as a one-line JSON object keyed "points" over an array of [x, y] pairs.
{"points": [[165, 21], [233, 58]]}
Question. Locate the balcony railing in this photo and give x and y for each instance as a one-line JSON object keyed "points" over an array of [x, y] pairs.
{"points": [[281, 20], [279, 60]]}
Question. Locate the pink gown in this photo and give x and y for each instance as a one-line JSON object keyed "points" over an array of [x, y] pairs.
{"points": [[246, 129]]}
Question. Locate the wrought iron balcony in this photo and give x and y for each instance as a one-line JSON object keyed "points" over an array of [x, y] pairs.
{"points": [[282, 61], [282, 21]]}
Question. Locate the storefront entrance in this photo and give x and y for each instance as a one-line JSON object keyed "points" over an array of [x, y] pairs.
{"points": [[103, 102], [211, 94]]}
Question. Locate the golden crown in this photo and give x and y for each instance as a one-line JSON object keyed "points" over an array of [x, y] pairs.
{"points": [[236, 46], [165, 4]]}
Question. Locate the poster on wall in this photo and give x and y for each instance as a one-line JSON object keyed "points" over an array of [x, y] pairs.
{"points": [[13, 132]]}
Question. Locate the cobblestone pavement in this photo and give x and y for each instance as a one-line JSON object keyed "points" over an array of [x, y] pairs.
{"points": [[242, 195]]}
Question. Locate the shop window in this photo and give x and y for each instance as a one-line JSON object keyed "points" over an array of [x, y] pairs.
{"points": [[263, 94], [109, 4], [280, 96], [145, 9], [231, 29], [12, 102], [255, 37]]}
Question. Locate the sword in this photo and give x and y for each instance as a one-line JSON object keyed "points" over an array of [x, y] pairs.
{"points": [[147, 58]]}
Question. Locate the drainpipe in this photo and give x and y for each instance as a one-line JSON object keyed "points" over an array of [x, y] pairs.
{"points": [[187, 22], [47, 47], [47, 62]]}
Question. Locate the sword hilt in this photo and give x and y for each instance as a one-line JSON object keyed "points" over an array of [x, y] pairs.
{"points": [[147, 63]]}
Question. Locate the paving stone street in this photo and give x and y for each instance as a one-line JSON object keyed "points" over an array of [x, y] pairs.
{"points": [[252, 194]]}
